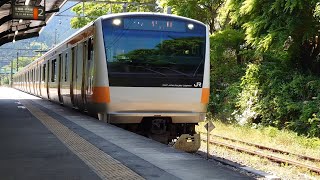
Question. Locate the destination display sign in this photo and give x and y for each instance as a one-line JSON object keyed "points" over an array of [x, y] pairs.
{"points": [[28, 12]]}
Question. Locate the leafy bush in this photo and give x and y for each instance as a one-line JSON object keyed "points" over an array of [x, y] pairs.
{"points": [[272, 94], [226, 70]]}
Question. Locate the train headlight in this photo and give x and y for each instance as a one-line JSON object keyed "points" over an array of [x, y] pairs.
{"points": [[116, 22], [190, 26]]}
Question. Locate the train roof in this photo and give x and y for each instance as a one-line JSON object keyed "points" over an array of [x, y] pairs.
{"points": [[148, 13]]}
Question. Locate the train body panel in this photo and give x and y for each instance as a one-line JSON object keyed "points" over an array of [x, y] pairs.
{"points": [[181, 104], [66, 74]]}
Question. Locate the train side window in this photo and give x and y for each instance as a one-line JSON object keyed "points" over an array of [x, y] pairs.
{"points": [[54, 69], [90, 49], [44, 73], [66, 68]]}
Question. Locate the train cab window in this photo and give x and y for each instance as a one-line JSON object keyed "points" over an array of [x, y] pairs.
{"points": [[44, 73], [154, 51], [66, 68], [54, 69]]}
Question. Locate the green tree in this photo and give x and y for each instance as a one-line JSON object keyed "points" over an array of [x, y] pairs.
{"points": [[277, 25], [88, 12], [205, 11], [227, 64]]}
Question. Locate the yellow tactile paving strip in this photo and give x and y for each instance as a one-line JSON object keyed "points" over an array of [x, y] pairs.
{"points": [[103, 164]]}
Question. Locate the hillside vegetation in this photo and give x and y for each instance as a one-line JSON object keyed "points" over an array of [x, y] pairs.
{"points": [[265, 64]]}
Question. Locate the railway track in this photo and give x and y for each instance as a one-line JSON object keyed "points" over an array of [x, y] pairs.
{"points": [[260, 151]]}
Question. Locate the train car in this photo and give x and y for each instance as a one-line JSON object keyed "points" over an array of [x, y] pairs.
{"points": [[148, 72]]}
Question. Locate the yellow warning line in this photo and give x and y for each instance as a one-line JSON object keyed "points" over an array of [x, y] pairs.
{"points": [[103, 164]]}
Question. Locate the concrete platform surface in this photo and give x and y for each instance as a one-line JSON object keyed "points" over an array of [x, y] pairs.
{"points": [[44, 140]]}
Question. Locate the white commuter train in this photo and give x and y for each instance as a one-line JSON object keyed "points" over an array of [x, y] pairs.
{"points": [[147, 71]]}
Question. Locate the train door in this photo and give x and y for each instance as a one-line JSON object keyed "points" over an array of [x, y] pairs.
{"points": [[38, 79], [73, 75], [30, 81], [41, 79], [27, 76], [84, 74], [79, 75], [33, 81], [59, 78], [48, 78], [66, 78], [89, 71], [53, 82], [35, 70], [25, 81]]}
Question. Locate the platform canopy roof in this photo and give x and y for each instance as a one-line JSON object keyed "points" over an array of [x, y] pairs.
{"points": [[17, 29]]}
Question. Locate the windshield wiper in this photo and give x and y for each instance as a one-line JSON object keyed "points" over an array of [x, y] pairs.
{"points": [[179, 72], [157, 72], [194, 74]]}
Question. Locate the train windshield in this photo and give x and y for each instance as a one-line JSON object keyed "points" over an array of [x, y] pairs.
{"points": [[145, 51]]}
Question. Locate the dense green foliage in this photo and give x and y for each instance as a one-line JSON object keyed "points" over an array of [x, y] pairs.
{"points": [[280, 85], [265, 65], [226, 65], [273, 94], [265, 58], [88, 12], [202, 10]]}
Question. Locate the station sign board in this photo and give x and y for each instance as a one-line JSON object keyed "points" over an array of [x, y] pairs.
{"points": [[209, 126], [28, 12]]}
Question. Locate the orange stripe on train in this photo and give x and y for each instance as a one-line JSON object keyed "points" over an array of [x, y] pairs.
{"points": [[205, 95], [101, 95]]}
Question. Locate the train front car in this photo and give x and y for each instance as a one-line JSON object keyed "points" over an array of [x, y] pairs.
{"points": [[158, 73]]}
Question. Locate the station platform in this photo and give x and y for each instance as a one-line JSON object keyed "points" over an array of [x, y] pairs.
{"points": [[43, 140]]}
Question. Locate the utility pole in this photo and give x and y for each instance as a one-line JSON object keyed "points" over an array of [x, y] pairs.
{"points": [[56, 34], [17, 61], [11, 76]]}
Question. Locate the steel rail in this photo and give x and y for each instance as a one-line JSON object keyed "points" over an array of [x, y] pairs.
{"points": [[268, 156], [269, 148]]}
